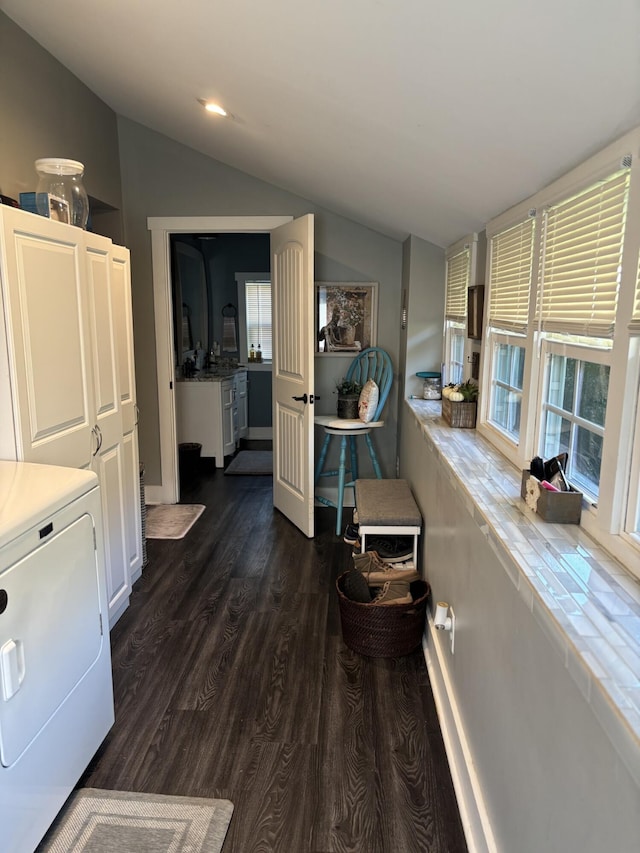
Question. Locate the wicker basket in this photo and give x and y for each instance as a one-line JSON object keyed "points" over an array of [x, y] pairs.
{"points": [[383, 631], [459, 413]]}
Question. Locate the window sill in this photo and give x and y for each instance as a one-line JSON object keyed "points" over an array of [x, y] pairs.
{"points": [[583, 599]]}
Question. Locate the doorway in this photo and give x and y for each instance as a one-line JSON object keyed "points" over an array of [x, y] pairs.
{"points": [[216, 280], [161, 231]]}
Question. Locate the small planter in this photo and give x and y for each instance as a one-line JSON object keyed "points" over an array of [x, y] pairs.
{"points": [[348, 405], [460, 414]]}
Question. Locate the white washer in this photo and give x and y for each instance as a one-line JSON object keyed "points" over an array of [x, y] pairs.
{"points": [[56, 696]]}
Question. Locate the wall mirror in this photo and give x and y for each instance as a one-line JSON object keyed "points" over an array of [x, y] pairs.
{"points": [[190, 300]]}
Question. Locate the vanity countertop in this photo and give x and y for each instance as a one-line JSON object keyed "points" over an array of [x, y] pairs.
{"points": [[212, 375]]}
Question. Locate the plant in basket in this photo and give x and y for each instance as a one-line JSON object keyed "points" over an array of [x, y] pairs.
{"points": [[348, 397], [459, 404]]}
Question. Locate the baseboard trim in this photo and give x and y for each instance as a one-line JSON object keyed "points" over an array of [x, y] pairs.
{"points": [[155, 495], [473, 811], [260, 434]]}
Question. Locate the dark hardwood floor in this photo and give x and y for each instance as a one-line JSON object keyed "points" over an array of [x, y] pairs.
{"points": [[232, 680]]}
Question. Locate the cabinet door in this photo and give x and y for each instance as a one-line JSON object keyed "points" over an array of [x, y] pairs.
{"points": [[242, 401], [109, 461], [123, 326], [229, 417], [47, 345]]}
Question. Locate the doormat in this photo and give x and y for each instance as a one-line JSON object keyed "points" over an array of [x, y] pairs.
{"points": [[251, 463], [96, 821], [172, 521]]}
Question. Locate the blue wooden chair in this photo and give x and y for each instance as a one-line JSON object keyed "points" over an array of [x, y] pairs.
{"points": [[373, 363]]}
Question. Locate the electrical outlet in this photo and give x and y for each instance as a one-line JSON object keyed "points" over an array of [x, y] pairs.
{"points": [[452, 632]]}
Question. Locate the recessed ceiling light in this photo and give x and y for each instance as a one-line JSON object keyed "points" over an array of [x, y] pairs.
{"points": [[212, 107]]}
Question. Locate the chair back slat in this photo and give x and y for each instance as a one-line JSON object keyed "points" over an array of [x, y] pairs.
{"points": [[373, 363]]}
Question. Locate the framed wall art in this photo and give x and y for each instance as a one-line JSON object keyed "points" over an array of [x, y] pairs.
{"points": [[346, 316]]}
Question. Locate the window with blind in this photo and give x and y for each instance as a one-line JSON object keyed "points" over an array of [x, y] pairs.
{"points": [[510, 269], [254, 313], [456, 294], [561, 360], [258, 310]]}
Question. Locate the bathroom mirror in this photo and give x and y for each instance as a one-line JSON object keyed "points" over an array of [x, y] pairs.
{"points": [[190, 301]]}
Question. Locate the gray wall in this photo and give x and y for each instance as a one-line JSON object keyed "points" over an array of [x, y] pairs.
{"points": [[45, 111], [423, 283], [551, 778], [163, 178]]}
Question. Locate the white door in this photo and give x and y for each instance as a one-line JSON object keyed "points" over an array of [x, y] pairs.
{"points": [[293, 353], [109, 456], [123, 326]]}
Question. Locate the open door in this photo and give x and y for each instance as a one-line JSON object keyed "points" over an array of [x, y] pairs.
{"points": [[293, 352]]}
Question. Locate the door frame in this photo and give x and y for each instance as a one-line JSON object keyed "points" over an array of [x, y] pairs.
{"points": [[161, 229]]}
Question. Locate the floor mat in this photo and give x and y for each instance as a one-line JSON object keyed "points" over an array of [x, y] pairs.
{"points": [[251, 463], [96, 821], [171, 521]]}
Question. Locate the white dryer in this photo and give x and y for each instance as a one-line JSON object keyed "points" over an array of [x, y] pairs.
{"points": [[56, 697]]}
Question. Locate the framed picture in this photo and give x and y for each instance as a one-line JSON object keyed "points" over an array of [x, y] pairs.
{"points": [[346, 316]]}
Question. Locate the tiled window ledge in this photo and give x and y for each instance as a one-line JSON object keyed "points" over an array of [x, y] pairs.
{"points": [[584, 600]]}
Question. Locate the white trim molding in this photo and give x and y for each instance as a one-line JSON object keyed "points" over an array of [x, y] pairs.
{"points": [[161, 228]]}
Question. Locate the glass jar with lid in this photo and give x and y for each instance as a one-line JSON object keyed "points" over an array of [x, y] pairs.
{"points": [[60, 193], [432, 385]]}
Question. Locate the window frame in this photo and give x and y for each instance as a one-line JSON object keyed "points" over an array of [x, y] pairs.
{"points": [[583, 354], [497, 338], [453, 329]]}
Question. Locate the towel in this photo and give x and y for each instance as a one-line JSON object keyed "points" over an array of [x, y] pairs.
{"points": [[229, 337]]}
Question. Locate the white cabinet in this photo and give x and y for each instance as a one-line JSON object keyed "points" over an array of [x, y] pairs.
{"points": [[66, 370], [213, 413]]}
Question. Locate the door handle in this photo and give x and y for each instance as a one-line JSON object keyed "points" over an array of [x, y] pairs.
{"points": [[94, 433], [302, 399], [99, 434], [313, 398]]}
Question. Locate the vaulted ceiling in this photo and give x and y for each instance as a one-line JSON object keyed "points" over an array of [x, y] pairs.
{"points": [[423, 117]]}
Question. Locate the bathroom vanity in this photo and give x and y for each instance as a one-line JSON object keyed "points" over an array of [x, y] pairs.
{"points": [[212, 410]]}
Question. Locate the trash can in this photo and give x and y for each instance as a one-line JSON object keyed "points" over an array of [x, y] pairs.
{"points": [[189, 460]]}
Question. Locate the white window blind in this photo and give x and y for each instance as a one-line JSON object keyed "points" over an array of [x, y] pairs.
{"points": [[634, 325], [258, 308], [580, 257], [458, 271], [510, 276]]}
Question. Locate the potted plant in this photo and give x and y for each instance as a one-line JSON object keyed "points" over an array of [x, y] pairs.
{"points": [[348, 397], [459, 404]]}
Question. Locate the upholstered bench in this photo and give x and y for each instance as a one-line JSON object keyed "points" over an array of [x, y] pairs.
{"points": [[387, 507]]}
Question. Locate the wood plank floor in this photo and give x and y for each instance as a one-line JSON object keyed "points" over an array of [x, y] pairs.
{"points": [[231, 680]]}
